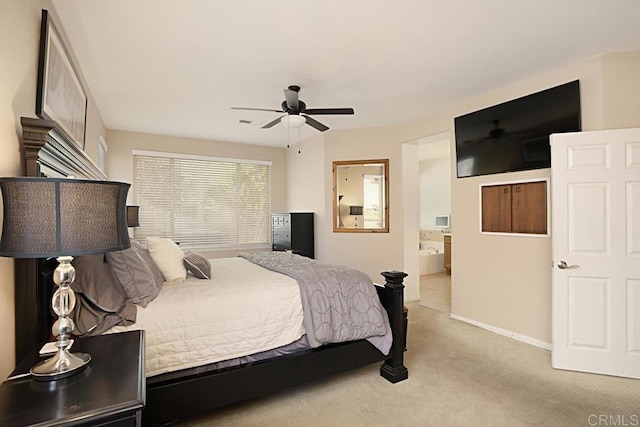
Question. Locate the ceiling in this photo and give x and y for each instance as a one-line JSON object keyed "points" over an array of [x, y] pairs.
{"points": [[176, 67]]}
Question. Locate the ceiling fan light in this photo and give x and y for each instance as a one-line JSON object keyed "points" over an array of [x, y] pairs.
{"points": [[293, 121]]}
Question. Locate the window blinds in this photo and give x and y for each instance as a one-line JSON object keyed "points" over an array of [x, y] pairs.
{"points": [[102, 154], [202, 203]]}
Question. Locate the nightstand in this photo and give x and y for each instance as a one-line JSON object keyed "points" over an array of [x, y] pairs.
{"points": [[110, 391]]}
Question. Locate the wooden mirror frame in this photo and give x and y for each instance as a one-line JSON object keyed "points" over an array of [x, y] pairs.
{"points": [[341, 228]]}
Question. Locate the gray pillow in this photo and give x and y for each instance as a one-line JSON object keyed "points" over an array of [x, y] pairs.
{"points": [[144, 253], [134, 274], [100, 299], [197, 265]]}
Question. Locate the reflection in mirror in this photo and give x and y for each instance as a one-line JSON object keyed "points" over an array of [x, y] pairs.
{"points": [[360, 196]]}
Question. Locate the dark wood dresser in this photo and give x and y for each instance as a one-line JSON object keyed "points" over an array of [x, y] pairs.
{"points": [[110, 391], [293, 232]]}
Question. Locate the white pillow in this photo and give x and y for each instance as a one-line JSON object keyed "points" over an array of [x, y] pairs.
{"points": [[168, 257]]}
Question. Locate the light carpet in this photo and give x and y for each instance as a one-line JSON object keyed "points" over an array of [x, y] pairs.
{"points": [[459, 375]]}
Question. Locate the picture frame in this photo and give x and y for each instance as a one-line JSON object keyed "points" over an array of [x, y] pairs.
{"points": [[61, 96]]}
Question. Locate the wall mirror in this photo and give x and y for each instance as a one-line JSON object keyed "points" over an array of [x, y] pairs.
{"points": [[360, 196]]}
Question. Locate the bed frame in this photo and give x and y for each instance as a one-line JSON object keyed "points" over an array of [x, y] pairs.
{"points": [[172, 396]]}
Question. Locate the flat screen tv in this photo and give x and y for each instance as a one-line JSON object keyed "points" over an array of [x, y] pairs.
{"points": [[514, 136]]}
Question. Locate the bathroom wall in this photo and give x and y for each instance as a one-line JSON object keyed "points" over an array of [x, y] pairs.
{"points": [[435, 185], [431, 235]]}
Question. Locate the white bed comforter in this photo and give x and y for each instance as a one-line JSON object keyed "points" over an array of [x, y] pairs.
{"points": [[243, 309]]}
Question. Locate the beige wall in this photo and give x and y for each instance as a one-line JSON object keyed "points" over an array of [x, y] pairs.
{"points": [[505, 281], [19, 24], [94, 125], [372, 253], [305, 190], [435, 182], [621, 90], [20, 35], [517, 295], [309, 176]]}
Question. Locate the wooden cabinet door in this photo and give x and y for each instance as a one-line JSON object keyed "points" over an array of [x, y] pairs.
{"points": [[496, 208], [447, 254], [529, 208]]}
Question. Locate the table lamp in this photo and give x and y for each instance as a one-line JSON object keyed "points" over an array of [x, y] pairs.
{"points": [[62, 218], [133, 216]]}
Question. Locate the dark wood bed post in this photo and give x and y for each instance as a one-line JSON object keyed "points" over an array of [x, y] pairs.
{"points": [[393, 368]]}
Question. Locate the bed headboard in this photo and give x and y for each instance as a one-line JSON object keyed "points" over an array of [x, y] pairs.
{"points": [[46, 151], [49, 152]]}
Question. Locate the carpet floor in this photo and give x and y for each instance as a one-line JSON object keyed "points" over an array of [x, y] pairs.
{"points": [[459, 375]]}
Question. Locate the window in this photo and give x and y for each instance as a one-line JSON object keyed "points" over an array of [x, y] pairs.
{"points": [[203, 203], [373, 201]]}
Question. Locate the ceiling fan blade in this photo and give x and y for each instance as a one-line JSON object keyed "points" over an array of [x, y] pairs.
{"points": [[315, 124], [324, 111], [476, 140], [272, 123], [291, 96], [257, 109]]}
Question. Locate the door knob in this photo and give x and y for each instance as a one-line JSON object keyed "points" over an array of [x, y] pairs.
{"points": [[562, 265]]}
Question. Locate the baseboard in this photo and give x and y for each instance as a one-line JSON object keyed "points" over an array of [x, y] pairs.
{"points": [[518, 337]]}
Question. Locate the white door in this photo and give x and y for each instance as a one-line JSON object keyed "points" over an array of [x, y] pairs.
{"points": [[596, 251]]}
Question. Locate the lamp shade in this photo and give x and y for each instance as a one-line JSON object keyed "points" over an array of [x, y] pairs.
{"points": [[51, 217], [133, 216], [355, 210], [293, 121]]}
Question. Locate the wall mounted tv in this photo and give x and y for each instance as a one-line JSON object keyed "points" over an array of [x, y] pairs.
{"points": [[514, 136]]}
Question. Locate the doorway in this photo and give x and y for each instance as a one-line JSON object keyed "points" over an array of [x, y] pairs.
{"points": [[431, 183]]}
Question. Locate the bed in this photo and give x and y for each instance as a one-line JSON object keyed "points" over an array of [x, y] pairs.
{"points": [[214, 381]]}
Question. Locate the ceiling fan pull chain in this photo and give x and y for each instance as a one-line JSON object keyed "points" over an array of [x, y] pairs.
{"points": [[299, 143]]}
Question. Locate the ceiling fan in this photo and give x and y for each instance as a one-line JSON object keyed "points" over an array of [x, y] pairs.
{"points": [[297, 113], [494, 135]]}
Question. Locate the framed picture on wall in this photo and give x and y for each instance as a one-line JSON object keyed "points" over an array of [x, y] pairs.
{"points": [[61, 96]]}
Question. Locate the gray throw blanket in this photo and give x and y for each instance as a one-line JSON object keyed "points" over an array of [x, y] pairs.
{"points": [[339, 303]]}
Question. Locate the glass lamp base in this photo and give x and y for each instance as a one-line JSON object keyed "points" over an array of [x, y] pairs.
{"points": [[61, 365]]}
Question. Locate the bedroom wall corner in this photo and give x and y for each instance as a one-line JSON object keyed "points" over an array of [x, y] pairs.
{"points": [[305, 186], [20, 27], [371, 253]]}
